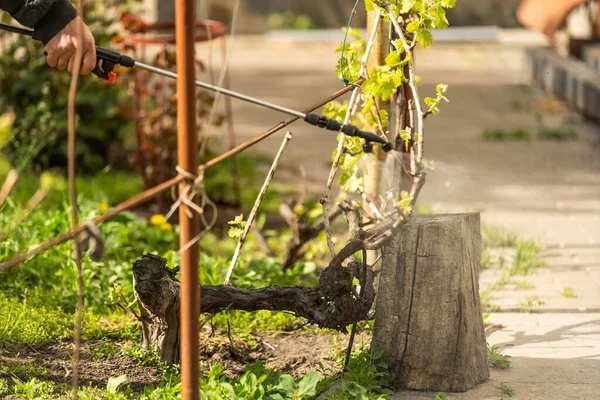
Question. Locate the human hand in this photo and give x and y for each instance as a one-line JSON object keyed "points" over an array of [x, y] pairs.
{"points": [[62, 48]]}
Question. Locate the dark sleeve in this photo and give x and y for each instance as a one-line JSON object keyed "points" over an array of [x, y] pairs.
{"points": [[45, 17]]}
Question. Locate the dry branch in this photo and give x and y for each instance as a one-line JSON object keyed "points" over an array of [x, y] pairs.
{"points": [[259, 199], [303, 233]]}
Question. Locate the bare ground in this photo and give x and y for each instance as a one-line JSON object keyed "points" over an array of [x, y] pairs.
{"points": [[295, 353]]}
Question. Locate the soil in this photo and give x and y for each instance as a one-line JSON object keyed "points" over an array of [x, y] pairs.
{"points": [[295, 353], [53, 363]]}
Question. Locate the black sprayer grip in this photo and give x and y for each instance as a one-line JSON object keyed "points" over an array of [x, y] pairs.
{"points": [[106, 61], [350, 130]]}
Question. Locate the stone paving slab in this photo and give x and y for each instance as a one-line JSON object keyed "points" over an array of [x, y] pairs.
{"points": [[575, 269], [553, 357]]}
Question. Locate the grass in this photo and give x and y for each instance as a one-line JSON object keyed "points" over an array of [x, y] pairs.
{"points": [[37, 300], [520, 134], [514, 256], [531, 303], [442, 396], [102, 350], [568, 293], [506, 389], [558, 134], [523, 285], [501, 134], [498, 236], [496, 358]]}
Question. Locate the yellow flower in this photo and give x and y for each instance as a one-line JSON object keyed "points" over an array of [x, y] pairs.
{"points": [[165, 226], [157, 219], [103, 207]]}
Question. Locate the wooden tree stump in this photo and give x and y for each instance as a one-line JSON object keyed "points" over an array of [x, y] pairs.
{"points": [[428, 320]]}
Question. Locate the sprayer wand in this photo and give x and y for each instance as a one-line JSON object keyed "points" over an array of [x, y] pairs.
{"points": [[106, 60]]}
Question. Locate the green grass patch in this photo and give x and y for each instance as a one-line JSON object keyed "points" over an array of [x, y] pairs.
{"points": [[496, 358], [531, 303], [506, 389], [499, 134], [102, 350], [31, 322], [558, 134], [523, 285], [568, 293]]}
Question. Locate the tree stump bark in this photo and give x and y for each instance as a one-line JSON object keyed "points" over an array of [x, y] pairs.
{"points": [[428, 313]]}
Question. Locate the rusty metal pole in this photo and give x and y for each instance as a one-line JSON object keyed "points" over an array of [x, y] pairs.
{"points": [[187, 148]]}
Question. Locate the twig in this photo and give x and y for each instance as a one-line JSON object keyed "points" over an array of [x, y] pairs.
{"points": [[224, 68], [372, 206], [36, 199], [352, 104], [412, 84], [8, 185], [261, 242], [129, 311], [350, 345], [306, 233], [206, 318], [261, 195], [237, 191], [292, 220], [73, 193]]}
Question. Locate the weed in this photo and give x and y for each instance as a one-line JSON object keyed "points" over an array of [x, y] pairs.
{"points": [[24, 370], [4, 389], [497, 236], [33, 388], [560, 134], [531, 303], [486, 319], [485, 259], [524, 285], [31, 323], [442, 396], [526, 258], [569, 293], [500, 134], [366, 377], [506, 389], [496, 358], [147, 358], [102, 350]]}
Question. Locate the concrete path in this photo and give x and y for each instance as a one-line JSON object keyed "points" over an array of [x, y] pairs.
{"points": [[553, 357], [542, 189]]}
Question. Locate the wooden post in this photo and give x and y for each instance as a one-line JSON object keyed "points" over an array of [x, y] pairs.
{"points": [[428, 320]]}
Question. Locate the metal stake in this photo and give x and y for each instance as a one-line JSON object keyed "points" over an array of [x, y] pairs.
{"points": [[187, 148]]}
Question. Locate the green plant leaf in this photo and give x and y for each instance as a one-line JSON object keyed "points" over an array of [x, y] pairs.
{"points": [[286, 383], [114, 382], [6, 123], [424, 37], [308, 384], [407, 5], [353, 388], [413, 26]]}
